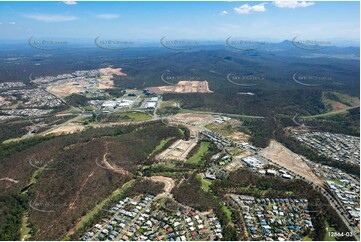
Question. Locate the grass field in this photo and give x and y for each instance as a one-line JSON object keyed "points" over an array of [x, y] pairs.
{"points": [[133, 116], [25, 230], [252, 190], [160, 146], [307, 238], [227, 212], [205, 183], [197, 157], [328, 236], [164, 165], [335, 181], [170, 103]]}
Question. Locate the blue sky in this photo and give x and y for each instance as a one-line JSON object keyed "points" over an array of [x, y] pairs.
{"points": [[192, 20]]}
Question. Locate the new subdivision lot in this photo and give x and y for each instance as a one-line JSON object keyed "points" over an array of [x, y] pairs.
{"points": [[178, 150]]}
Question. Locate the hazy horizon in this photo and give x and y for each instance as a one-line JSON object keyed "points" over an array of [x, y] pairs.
{"points": [[275, 21]]}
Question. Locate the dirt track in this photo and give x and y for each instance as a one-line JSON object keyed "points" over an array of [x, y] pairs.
{"points": [[112, 167], [291, 161], [9, 179], [168, 182]]}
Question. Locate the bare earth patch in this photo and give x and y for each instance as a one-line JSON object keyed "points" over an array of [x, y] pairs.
{"points": [[168, 182], [178, 150], [238, 136], [65, 89], [192, 118], [338, 106], [291, 161], [194, 122], [105, 82], [112, 71], [233, 166], [66, 129], [183, 87]]}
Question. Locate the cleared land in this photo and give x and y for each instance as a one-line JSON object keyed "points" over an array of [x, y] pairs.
{"points": [[227, 129], [105, 82], [194, 122], [178, 150], [192, 119], [112, 71], [291, 161], [183, 87], [124, 117], [169, 183], [66, 129], [66, 89]]}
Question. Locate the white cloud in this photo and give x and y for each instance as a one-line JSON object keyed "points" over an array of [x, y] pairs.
{"points": [[12, 23], [52, 18], [224, 12], [107, 16], [70, 2], [292, 4], [247, 9]]}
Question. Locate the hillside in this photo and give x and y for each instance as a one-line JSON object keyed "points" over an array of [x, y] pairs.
{"points": [[73, 173]]}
